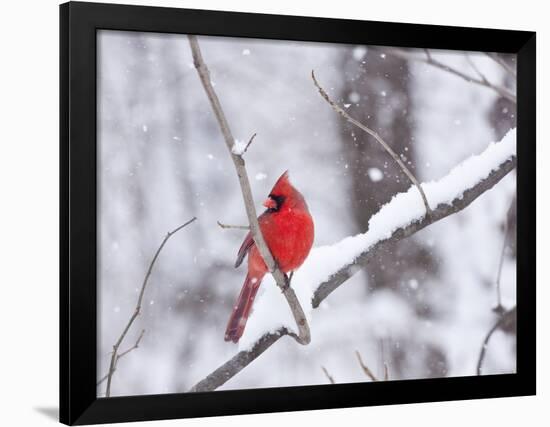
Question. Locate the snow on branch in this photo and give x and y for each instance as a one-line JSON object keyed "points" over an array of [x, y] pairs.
{"points": [[327, 267], [405, 215]]}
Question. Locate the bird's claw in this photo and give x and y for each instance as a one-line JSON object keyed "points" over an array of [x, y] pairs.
{"points": [[287, 282]]}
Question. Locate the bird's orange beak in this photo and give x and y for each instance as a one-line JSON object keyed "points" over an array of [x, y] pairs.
{"points": [[270, 203]]}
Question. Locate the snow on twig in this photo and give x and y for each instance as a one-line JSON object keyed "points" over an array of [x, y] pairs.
{"points": [[239, 147]]}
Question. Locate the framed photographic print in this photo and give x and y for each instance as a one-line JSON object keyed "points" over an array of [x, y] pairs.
{"points": [[268, 213]]}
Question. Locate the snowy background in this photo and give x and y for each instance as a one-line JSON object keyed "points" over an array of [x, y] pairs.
{"points": [[423, 307]]}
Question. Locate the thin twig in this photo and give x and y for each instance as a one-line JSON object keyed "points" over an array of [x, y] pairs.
{"points": [[386, 372], [121, 355], [237, 363], [429, 59], [499, 308], [476, 68], [303, 336], [365, 368], [502, 63], [375, 135], [248, 144], [136, 345], [482, 81], [428, 54], [502, 320], [137, 310], [238, 227], [329, 377]]}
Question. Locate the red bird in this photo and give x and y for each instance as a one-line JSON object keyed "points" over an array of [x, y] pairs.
{"points": [[288, 231]]}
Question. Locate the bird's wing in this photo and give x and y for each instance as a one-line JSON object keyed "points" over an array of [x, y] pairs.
{"points": [[249, 241], [245, 247]]}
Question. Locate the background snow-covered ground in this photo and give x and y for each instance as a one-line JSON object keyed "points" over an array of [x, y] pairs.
{"points": [[163, 160]]}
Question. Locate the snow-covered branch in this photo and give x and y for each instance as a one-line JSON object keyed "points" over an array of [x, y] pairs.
{"points": [[236, 151], [404, 216], [327, 267]]}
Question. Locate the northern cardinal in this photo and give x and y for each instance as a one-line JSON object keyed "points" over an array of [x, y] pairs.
{"points": [[288, 231]]}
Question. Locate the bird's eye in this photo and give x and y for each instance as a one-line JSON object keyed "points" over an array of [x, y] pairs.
{"points": [[279, 200]]}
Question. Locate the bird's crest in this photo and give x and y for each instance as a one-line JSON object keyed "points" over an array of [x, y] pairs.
{"points": [[282, 186]]}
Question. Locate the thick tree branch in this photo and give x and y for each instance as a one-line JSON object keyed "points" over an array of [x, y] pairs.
{"points": [[237, 363], [378, 138], [440, 212], [115, 356], [303, 336], [429, 59]]}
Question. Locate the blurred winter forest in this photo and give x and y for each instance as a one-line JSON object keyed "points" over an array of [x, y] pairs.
{"points": [[423, 307]]}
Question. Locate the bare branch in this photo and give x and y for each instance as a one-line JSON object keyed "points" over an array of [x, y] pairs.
{"points": [[238, 227], [121, 355], [137, 310], [237, 363], [248, 144], [502, 63], [476, 68], [303, 336], [386, 372], [499, 308], [375, 135], [429, 59], [136, 345], [365, 368], [329, 377], [502, 321]]}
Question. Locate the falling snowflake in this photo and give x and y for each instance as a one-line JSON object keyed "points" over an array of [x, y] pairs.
{"points": [[354, 97], [375, 174], [359, 52]]}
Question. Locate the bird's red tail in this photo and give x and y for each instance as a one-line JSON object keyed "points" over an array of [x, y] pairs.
{"points": [[241, 310]]}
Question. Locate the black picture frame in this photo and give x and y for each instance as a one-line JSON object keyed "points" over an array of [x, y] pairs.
{"points": [[78, 323]]}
